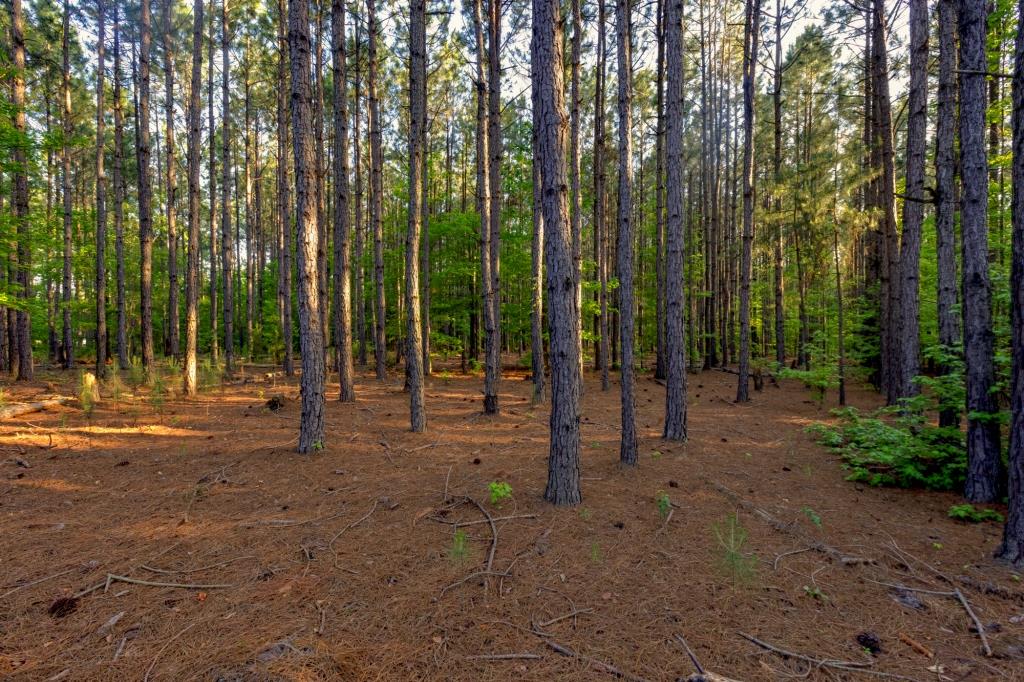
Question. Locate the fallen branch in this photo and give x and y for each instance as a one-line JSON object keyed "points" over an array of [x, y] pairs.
{"points": [[168, 571], [475, 574], [34, 582], [502, 657], [848, 666], [112, 578], [27, 408], [977, 623], [916, 646], [572, 614], [596, 663]]}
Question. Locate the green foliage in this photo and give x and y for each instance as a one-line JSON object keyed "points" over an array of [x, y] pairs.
{"points": [[734, 562], [819, 379], [500, 491], [664, 504], [898, 451], [459, 549], [595, 553], [812, 516], [86, 394], [971, 514]]}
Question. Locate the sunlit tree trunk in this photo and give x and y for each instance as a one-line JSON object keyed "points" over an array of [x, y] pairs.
{"points": [[173, 320], [752, 34], [376, 196], [284, 232], [227, 184], [145, 197], [342, 266], [483, 202], [68, 345], [359, 228], [215, 311], [192, 262], [495, 151], [24, 250], [563, 486], [417, 124], [101, 197], [311, 342], [601, 359], [118, 179]]}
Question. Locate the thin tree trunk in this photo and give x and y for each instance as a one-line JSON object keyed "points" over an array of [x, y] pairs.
{"points": [[173, 320], [601, 359], [285, 241], [101, 199], [576, 195], [227, 236], [311, 384], [342, 266], [537, 259], [376, 197], [985, 474], [192, 268], [215, 311], [913, 204], [145, 197], [68, 346], [752, 34], [563, 486], [624, 251], [778, 244], [360, 233], [417, 125], [122, 306], [661, 359], [483, 192], [495, 150]]}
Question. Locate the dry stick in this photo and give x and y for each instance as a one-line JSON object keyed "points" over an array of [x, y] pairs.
{"points": [[775, 564], [463, 524], [494, 531], [597, 663], [502, 657], [166, 571], [164, 647], [444, 499], [475, 574], [849, 666], [668, 517], [355, 523], [387, 448], [288, 523], [689, 652], [977, 623], [111, 578], [572, 614], [35, 582]]}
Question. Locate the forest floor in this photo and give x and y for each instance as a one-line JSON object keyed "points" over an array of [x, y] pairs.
{"points": [[348, 565]]}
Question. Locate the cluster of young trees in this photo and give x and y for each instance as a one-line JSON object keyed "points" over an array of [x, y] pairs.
{"points": [[763, 173]]}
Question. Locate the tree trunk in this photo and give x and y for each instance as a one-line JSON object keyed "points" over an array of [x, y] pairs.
{"points": [[101, 198], [215, 311], [601, 360], [985, 473], [360, 234], [752, 34], [913, 203], [417, 125], [1012, 547], [68, 346], [173, 320], [576, 196], [122, 307], [675, 338], [194, 189], [661, 359], [145, 197], [24, 250], [777, 241], [285, 241], [624, 251], [311, 342], [483, 202], [495, 150], [376, 197], [537, 260], [563, 486], [945, 194], [342, 266], [227, 236]]}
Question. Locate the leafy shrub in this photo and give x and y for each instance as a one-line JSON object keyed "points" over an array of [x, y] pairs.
{"points": [[903, 452], [971, 514], [499, 491]]}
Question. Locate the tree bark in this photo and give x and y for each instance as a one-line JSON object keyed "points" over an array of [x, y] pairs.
{"points": [[913, 204], [985, 475], [537, 258], [752, 34], [777, 242], [145, 197], [227, 184], [601, 360], [417, 125], [624, 250], [483, 205], [576, 196], [661, 360], [118, 179], [360, 234], [101, 197], [342, 266], [945, 193], [194, 188], [563, 486], [68, 345], [215, 310], [376, 196], [24, 250], [311, 342], [675, 338], [1012, 547], [495, 150], [285, 240], [173, 319]]}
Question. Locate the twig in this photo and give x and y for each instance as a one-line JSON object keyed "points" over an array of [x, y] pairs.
{"points": [[290, 523], [502, 657], [166, 571], [164, 647], [848, 666], [775, 564], [572, 614], [355, 523], [446, 477], [112, 578], [977, 623], [463, 524], [597, 663], [387, 449], [35, 582], [469, 577], [668, 517], [689, 652]]}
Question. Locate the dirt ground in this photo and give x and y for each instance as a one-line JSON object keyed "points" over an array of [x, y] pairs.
{"points": [[348, 564]]}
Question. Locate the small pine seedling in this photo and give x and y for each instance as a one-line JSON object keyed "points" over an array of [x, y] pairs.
{"points": [[731, 537], [664, 504], [459, 550], [500, 491], [812, 516]]}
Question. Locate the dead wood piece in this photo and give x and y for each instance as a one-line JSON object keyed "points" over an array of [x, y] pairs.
{"points": [[503, 657], [19, 409], [977, 623], [848, 666], [594, 662], [709, 677], [170, 571], [475, 574], [572, 614], [112, 578], [916, 646]]}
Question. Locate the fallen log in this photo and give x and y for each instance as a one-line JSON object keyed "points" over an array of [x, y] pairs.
{"points": [[19, 409]]}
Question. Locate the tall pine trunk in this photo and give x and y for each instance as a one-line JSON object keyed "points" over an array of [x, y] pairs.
{"points": [[68, 345], [226, 190], [985, 473], [311, 342], [483, 202], [194, 188], [752, 34], [342, 266], [145, 197], [417, 125], [24, 251], [122, 306], [376, 196], [173, 320], [101, 197]]}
